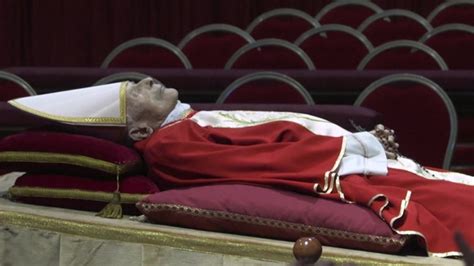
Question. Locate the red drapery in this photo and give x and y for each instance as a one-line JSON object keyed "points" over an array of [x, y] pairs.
{"points": [[82, 33]]}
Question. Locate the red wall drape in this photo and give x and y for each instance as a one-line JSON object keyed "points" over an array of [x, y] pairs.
{"points": [[82, 33]]}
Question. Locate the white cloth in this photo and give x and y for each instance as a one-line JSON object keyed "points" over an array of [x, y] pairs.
{"points": [[177, 113], [91, 106]]}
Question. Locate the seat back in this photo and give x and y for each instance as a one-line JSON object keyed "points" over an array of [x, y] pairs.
{"points": [[347, 12], [148, 53], [123, 76], [270, 54], [210, 46], [334, 46], [454, 43], [12, 86], [402, 54], [265, 87], [453, 11], [282, 23], [394, 24], [420, 112]]}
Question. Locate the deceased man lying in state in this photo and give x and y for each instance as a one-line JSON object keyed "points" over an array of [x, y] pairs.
{"points": [[293, 151]]}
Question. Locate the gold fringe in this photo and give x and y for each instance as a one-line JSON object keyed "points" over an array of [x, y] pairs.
{"points": [[113, 209]]}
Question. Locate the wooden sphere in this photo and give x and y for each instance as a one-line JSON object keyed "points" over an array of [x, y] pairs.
{"points": [[307, 250]]}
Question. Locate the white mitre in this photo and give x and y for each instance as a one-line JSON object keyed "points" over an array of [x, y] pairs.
{"points": [[103, 105]]}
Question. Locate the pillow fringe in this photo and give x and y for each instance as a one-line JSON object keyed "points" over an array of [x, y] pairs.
{"points": [[113, 209]]}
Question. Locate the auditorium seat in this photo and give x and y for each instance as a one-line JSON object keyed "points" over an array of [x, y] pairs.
{"points": [[420, 112], [454, 42], [265, 87], [270, 54], [334, 46], [210, 46], [347, 12], [454, 11], [394, 24], [146, 52], [12, 86], [403, 54], [463, 158], [123, 76], [282, 23]]}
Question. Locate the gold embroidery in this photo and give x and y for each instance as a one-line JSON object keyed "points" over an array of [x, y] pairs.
{"points": [[341, 234], [77, 160], [60, 193], [83, 120], [287, 117]]}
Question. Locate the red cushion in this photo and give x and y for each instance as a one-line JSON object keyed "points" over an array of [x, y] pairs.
{"points": [[56, 152], [403, 58], [350, 15], [271, 213], [338, 50], [455, 47], [82, 193], [147, 56], [413, 110], [463, 14], [287, 28], [265, 91], [399, 28], [212, 50], [269, 57]]}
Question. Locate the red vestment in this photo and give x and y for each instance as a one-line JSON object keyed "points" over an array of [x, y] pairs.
{"points": [[286, 154]]}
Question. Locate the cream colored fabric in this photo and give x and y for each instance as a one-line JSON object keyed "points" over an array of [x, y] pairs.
{"points": [[7, 181]]}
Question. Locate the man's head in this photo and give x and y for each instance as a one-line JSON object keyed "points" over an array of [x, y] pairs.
{"points": [[148, 105]]}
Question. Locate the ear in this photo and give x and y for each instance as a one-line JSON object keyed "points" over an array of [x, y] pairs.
{"points": [[140, 133]]}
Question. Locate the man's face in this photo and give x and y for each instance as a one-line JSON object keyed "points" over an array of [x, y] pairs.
{"points": [[149, 104]]}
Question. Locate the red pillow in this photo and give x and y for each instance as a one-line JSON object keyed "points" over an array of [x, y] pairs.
{"points": [[271, 213], [64, 153], [81, 193]]}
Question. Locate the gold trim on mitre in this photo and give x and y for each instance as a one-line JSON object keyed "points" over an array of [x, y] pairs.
{"points": [[74, 98]]}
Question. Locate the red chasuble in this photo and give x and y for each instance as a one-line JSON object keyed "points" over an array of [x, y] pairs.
{"points": [[287, 155]]}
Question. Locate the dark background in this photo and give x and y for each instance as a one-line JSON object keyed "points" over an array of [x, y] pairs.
{"points": [[81, 33]]}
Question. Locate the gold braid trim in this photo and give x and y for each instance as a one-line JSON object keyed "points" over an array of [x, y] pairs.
{"points": [[77, 160], [178, 238], [77, 194], [381, 240]]}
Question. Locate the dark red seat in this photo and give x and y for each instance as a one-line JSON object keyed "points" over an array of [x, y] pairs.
{"points": [[270, 54], [403, 54], [212, 45], [12, 86], [347, 12], [265, 87], [454, 11], [334, 46], [146, 53], [283, 23], [420, 112], [454, 43], [394, 24]]}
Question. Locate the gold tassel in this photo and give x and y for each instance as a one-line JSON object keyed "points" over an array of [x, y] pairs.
{"points": [[113, 209]]}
